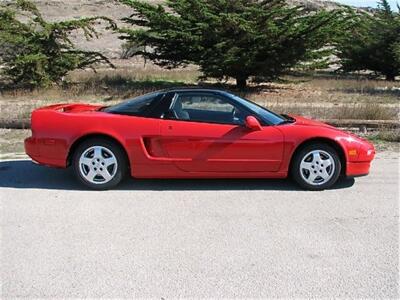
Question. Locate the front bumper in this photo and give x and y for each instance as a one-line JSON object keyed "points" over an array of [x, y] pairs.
{"points": [[362, 164], [356, 169]]}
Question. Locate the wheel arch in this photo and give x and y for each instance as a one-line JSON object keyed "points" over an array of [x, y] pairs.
{"points": [[88, 136], [334, 144]]}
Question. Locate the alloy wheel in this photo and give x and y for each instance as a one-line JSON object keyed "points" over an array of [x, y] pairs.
{"points": [[98, 165], [317, 167]]}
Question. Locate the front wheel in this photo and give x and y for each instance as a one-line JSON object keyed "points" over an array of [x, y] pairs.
{"points": [[99, 164], [316, 167]]}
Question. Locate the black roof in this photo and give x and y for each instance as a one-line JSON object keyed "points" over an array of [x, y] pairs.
{"points": [[193, 89]]}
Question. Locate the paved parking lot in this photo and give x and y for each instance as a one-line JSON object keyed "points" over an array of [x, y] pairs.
{"points": [[204, 238]]}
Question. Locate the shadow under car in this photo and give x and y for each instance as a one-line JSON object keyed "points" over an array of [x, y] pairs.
{"points": [[23, 174]]}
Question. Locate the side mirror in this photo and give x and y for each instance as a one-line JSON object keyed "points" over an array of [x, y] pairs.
{"points": [[253, 124]]}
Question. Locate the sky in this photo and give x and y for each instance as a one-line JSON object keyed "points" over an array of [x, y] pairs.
{"points": [[371, 3]]}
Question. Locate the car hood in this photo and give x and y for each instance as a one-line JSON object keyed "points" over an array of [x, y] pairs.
{"points": [[308, 122]]}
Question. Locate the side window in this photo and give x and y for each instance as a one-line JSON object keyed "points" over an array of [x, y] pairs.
{"points": [[208, 103], [206, 108]]}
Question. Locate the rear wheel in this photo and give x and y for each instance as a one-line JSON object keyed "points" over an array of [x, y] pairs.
{"points": [[316, 167], [99, 164]]}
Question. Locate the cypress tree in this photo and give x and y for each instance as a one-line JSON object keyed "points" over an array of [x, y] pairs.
{"points": [[37, 53], [373, 43], [236, 39]]}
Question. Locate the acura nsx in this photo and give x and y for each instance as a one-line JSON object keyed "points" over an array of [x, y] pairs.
{"points": [[192, 133]]}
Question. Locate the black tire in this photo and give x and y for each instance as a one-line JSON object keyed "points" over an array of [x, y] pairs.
{"points": [[300, 155], [120, 168]]}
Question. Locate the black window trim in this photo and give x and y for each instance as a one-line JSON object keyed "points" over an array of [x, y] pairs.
{"points": [[158, 109]]}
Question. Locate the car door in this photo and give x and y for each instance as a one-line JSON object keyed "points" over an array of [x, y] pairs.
{"points": [[204, 132]]}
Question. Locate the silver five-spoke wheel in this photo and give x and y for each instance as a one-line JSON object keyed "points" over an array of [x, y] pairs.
{"points": [[98, 165], [317, 167]]}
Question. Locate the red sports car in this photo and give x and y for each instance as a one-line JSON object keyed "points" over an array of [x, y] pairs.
{"points": [[192, 133]]}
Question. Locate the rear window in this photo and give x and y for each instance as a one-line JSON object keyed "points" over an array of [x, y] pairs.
{"points": [[138, 106]]}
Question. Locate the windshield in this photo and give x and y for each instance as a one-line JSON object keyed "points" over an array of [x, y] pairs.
{"points": [[268, 116], [135, 106]]}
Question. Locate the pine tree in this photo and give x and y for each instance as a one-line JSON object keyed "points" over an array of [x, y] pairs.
{"points": [[373, 43], [34, 52], [229, 38]]}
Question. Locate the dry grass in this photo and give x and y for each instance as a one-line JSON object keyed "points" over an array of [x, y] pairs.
{"points": [[386, 135], [105, 83], [319, 97], [12, 142], [340, 111], [147, 72], [386, 140], [331, 90]]}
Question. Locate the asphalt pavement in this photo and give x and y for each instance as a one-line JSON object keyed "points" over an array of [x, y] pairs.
{"points": [[198, 238]]}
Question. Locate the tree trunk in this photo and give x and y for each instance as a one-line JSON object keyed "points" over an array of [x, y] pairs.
{"points": [[390, 77], [241, 82]]}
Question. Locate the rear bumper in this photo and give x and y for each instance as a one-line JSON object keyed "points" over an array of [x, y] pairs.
{"points": [[31, 147], [356, 169], [36, 149]]}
